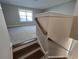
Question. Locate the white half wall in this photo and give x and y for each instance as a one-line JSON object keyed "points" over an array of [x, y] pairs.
{"points": [[5, 49]]}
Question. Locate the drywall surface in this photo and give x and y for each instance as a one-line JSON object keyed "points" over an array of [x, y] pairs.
{"points": [[59, 29], [65, 8], [5, 52], [74, 30], [11, 15], [76, 9]]}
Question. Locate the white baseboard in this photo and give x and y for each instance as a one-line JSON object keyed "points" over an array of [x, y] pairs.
{"points": [[57, 56], [13, 25]]}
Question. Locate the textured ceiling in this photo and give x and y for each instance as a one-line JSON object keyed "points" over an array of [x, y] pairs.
{"points": [[39, 4]]}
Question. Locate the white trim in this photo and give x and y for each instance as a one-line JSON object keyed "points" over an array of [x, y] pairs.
{"points": [[26, 45], [10, 44], [52, 13], [18, 25], [0, 6], [13, 25], [11, 53], [29, 53], [57, 56]]}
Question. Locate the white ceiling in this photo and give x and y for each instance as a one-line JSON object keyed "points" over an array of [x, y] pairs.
{"points": [[39, 4]]}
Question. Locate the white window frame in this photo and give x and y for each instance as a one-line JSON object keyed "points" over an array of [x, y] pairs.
{"points": [[26, 11]]}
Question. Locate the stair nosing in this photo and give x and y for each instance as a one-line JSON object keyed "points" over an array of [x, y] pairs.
{"points": [[23, 43], [28, 54], [23, 46]]}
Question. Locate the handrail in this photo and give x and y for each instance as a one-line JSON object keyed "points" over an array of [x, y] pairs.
{"points": [[42, 29]]}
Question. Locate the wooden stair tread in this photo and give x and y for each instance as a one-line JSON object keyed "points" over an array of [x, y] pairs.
{"points": [[25, 50], [36, 55]]}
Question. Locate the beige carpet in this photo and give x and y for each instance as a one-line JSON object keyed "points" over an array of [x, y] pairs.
{"points": [[20, 34], [56, 50]]}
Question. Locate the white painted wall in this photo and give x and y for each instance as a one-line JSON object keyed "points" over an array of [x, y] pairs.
{"points": [[5, 52], [65, 8], [11, 15], [76, 9], [74, 30]]}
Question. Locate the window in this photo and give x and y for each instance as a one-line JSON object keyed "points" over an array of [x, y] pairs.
{"points": [[25, 15]]}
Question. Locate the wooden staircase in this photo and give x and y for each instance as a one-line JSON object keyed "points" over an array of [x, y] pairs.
{"points": [[29, 50]]}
